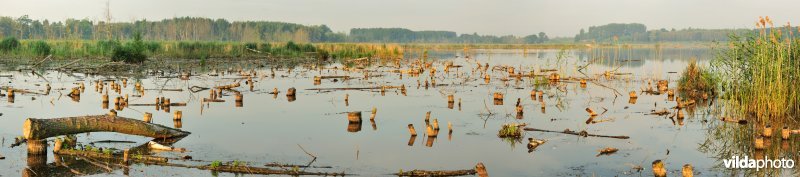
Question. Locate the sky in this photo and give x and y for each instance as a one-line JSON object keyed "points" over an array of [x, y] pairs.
{"points": [[496, 17]]}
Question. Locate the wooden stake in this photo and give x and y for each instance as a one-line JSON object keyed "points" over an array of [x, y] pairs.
{"points": [[412, 130], [658, 169], [767, 131], [687, 171], [148, 117], [178, 115], [759, 143], [374, 111]]}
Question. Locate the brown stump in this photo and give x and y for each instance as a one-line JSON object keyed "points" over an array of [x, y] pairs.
{"points": [[148, 117], [658, 169], [291, 92], [178, 115], [37, 147], [112, 113], [687, 171], [758, 143], [498, 96], [354, 117], [632, 94], [431, 132], [767, 131], [451, 99], [411, 130], [481, 169]]}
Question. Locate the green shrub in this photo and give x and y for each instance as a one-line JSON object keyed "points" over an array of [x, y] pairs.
{"points": [[40, 48], [8, 44], [132, 52]]}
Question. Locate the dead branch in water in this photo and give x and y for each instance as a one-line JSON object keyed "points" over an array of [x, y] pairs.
{"points": [[581, 133]]}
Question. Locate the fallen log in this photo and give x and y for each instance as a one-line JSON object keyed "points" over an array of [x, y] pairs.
{"points": [[154, 104], [437, 173], [570, 132], [355, 88], [45, 128], [172, 90], [103, 155], [213, 100]]}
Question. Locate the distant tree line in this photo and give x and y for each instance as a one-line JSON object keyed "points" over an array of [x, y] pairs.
{"points": [[206, 29], [635, 32], [401, 35]]}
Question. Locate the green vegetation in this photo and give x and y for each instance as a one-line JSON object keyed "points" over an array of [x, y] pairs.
{"points": [[206, 29], [8, 44], [132, 52], [216, 164], [759, 72], [697, 80], [401, 35], [510, 131]]}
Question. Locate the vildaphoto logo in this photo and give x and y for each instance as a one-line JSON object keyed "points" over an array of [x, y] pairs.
{"points": [[736, 162]]}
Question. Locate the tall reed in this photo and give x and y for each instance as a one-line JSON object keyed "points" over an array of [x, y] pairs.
{"points": [[760, 72]]}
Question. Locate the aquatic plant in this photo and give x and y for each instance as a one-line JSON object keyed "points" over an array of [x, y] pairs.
{"points": [[696, 80], [510, 131], [759, 72], [216, 164]]}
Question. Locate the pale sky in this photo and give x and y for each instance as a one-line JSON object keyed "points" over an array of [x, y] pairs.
{"points": [[496, 17]]}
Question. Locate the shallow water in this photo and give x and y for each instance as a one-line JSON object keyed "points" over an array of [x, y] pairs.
{"points": [[269, 128]]}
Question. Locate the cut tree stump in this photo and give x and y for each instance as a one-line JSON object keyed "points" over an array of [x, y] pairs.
{"points": [[45, 128]]}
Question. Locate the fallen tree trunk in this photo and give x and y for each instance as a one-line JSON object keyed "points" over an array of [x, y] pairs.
{"points": [[438, 173], [154, 104], [581, 133], [45, 128]]}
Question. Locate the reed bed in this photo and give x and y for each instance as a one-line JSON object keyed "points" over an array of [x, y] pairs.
{"points": [[759, 72]]}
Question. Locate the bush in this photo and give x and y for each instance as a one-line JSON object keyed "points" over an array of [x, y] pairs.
{"points": [[132, 52], [8, 44], [697, 79], [40, 48]]}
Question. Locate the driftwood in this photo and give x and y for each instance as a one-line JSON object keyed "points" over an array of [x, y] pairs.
{"points": [[154, 104], [45, 128], [356, 88], [173, 90], [212, 100], [437, 173], [581, 133], [101, 155]]}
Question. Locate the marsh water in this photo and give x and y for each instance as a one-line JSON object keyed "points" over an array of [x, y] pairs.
{"points": [[269, 128]]}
